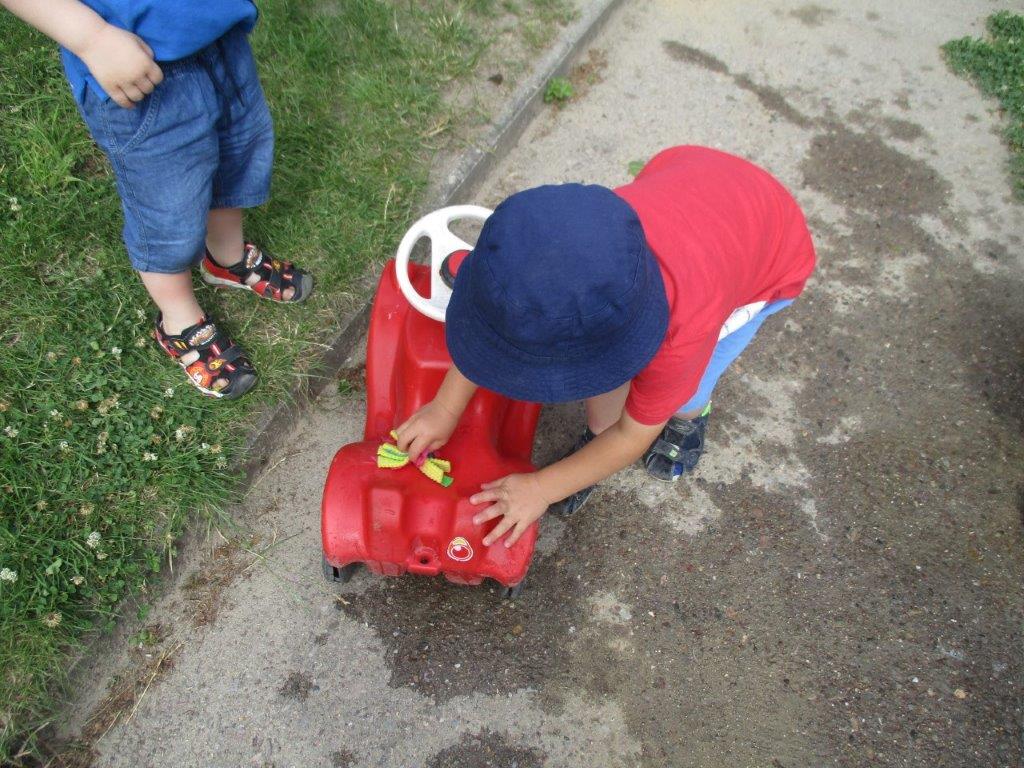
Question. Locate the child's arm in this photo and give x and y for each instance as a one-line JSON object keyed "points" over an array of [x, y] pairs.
{"points": [[522, 499], [431, 426], [121, 62]]}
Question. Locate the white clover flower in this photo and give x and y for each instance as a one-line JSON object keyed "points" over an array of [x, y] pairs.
{"points": [[169, 392], [55, 414], [6, 574], [215, 448], [140, 314], [13, 203], [64, 447], [221, 462], [101, 555], [51, 356], [87, 509], [41, 505], [156, 412], [204, 447], [52, 619], [183, 431], [141, 341], [147, 456], [109, 404], [116, 351], [93, 540], [10, 431], [78, 580]]}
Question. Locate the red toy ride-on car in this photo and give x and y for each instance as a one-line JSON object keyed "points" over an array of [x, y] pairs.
{"points": [[398, 520]]}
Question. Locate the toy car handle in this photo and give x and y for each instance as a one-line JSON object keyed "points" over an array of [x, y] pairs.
{"points": [[442, 244]]}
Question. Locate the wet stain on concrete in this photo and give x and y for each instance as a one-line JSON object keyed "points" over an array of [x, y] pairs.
{"points": [[690, 55], [994, 250], [342, 758], [486, 750], [904, 130], [298, 686], [861, 171], [812, 15], [771, 99]]}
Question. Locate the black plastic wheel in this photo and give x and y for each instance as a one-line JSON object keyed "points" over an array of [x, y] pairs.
{"points": [[339, 575], [511, 593]]}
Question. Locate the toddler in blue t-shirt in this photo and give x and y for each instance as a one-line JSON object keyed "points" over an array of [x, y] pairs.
{"points": [[170, 93]]}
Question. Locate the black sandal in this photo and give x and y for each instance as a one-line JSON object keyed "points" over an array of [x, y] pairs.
{"points": [[572, 504], [221, 369], [678, 449], [274, 276]]}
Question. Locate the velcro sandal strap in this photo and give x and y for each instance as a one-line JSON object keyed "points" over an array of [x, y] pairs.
{"points": [[664, 448]]}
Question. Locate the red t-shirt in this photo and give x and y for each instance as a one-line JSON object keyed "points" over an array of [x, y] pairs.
{"points": [[725, 234]]}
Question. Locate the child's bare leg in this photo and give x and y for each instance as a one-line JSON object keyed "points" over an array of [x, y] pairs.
{"points": [[224, 235], [173, 295], [225, 243], [604, 410]]}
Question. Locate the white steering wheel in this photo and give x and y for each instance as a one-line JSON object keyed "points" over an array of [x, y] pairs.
{"points": [[442, 244]]}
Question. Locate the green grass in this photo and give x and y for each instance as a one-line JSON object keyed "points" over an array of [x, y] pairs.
{"points": [[106, 453], [558, 91], [996, 65]]}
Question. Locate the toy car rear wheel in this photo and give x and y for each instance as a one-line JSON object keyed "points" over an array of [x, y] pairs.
{"points": [[339, 574], [511, 593]]}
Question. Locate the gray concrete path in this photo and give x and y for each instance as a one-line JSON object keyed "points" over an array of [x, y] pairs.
{"points": [[841, 582]]}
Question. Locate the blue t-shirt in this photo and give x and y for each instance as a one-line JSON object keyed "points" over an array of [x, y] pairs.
{"points": [[174, 29]]}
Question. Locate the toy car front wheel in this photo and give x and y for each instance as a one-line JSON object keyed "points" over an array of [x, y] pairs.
{"points": [[339, 574], [511, 593]]}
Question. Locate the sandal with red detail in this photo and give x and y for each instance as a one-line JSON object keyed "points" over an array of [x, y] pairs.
{"points": [[260, 273], [215, 365]]}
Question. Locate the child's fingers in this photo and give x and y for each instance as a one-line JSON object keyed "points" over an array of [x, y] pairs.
{"points": [[155, 74], [417, 446], [404, 437], [492, 484], [520, 529], [499, 530], [132, 92], [120, 98], [492, 494], [493, 511]]}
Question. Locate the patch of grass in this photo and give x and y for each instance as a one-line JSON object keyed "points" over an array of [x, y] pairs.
{"points": [[105, 451], [559, 90], [996, 65]]}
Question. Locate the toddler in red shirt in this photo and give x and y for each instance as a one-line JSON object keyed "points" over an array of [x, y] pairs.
{"points": [[633, 300]]}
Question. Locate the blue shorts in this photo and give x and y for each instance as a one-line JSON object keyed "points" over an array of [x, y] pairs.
{"points": [[203, 139], [728, 349]]}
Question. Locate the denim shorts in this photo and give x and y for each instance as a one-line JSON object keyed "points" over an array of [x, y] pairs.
{"points": [[202, 139], [726, 351]]}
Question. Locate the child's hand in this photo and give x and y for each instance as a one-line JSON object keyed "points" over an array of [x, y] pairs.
{"points": [[426, 430], [518, 499], [122, 63]]}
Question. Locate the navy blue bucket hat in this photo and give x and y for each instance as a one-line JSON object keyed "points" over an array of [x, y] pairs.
{"points": [[561, 299]]}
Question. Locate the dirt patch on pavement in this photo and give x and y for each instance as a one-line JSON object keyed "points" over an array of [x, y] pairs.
{"points": [[204, 589], [812, 15], [486, 750]]}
